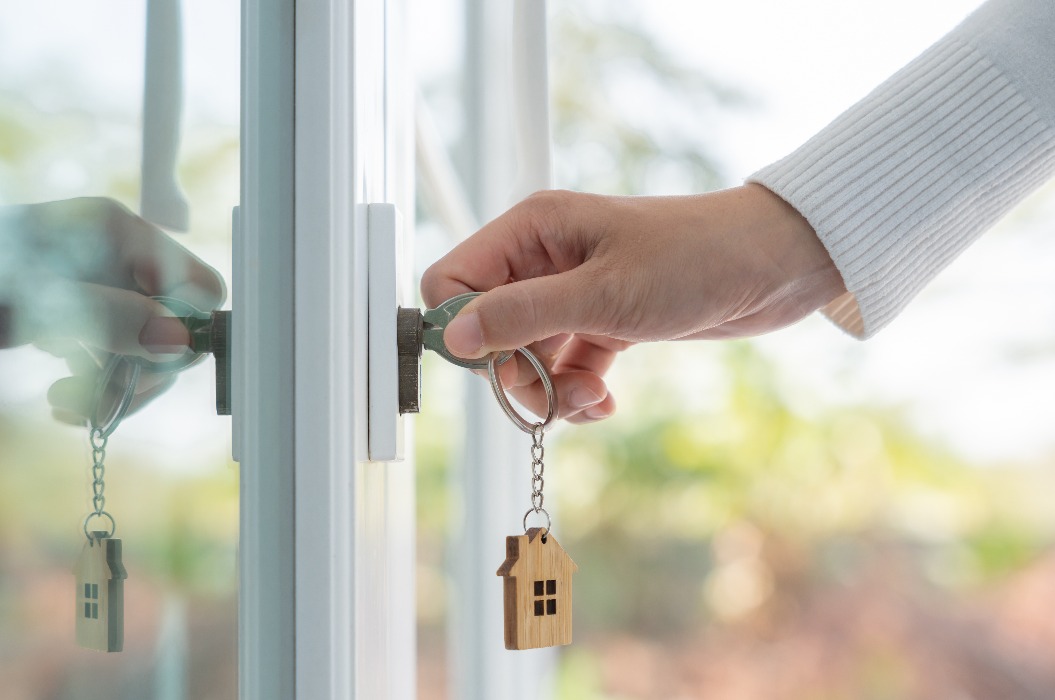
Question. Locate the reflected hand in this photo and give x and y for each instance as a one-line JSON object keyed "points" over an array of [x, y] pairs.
{"points": [[580, 277], [75, 279]]}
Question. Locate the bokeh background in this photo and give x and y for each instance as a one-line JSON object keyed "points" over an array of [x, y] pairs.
{"points": [[803, 515], [70, 103], [800, 516]]}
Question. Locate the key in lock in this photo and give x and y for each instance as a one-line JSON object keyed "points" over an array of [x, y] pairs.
{"points": [[417, 331]]}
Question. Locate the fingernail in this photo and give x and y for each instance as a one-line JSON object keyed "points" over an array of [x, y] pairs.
{"points": [[164, 334], [581, 397], [596, 413], [464, 336]]}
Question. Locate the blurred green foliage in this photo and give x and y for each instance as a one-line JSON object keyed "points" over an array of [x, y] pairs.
{"points": [[719, 520], [602, 61], [179, 528]]}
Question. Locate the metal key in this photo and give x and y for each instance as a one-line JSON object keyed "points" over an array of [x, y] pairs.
{"points": [[435, 321], [416, 330]]}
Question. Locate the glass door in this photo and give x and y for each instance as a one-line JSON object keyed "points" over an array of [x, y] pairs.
{"points": [[98, 214], [286, 574]]}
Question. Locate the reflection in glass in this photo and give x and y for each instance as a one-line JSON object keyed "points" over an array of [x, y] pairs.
{"points": [[75, 276]]}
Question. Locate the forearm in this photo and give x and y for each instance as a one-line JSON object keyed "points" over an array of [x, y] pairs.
{"points": [[901, 183]]}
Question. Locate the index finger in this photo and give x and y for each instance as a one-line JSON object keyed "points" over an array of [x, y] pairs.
{"points": [[98, 240], [532, 239]]}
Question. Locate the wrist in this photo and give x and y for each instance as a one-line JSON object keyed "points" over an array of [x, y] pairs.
{"points": [[808, 273]]}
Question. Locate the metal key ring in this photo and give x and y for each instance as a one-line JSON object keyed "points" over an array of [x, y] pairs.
{"points": [[105, 425], [187, 359], [503, 401], [539, 511], [100, 514]]}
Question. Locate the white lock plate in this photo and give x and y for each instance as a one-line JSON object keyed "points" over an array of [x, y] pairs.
{"points": [[385, 255]]}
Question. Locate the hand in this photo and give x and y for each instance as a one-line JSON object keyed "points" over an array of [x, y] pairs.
{"points": [[75, 279], [580, 277]]}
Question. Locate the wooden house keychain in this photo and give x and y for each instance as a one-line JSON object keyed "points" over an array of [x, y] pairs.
{"points": [[537, 572], [100, 573]]}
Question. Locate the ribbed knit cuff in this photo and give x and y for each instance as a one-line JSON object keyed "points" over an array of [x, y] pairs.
{"points": [[900, 184]]}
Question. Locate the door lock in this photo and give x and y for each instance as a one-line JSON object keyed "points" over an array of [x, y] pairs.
{"points": [[417, 331], [210, 332]]}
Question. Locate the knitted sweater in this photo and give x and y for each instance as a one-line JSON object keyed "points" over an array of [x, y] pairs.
{"points": [[897, 186]]}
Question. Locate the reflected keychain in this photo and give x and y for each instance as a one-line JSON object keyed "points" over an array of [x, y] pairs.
{"points": [[537, 572], [99, 571]]}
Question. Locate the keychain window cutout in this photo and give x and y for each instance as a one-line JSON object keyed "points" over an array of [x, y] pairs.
{"points": [[545, 588], [91, 603]]}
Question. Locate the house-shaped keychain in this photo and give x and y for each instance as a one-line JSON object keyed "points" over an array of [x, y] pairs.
{"points": [[100, 594], [537, 585]]}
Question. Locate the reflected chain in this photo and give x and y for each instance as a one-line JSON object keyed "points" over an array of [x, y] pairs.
{"points": [[537, 468], [98, 442]]}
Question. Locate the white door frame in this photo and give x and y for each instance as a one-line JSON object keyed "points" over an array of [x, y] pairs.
{"points": [[327, 540], [262, 348]]}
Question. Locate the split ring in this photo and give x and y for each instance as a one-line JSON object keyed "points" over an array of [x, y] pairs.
{"points": [[101, 514], [503, 400], [106, 423], [540, 511]]}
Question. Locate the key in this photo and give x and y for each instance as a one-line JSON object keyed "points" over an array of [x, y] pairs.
{"points": [[435, 321], [416, 331]]}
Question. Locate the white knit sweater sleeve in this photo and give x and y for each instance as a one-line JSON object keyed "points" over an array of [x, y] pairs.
{"points": [[901, 183]]}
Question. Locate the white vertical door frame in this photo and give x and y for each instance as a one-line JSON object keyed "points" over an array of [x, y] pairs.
{"points": [[327, 540], [262, 355], [507, 157]]}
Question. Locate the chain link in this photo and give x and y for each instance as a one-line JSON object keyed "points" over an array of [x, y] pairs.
{"points": [[98, 442], [538, 469], [97, 438]]}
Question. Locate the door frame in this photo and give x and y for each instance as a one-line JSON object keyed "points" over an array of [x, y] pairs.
{"points": [[327, 538]]}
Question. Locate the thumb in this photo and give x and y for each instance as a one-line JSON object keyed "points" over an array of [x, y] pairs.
{"points": [[517, 314]]}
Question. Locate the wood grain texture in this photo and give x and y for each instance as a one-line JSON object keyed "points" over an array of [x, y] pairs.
{"points": [[100, 576], [537, 591]]}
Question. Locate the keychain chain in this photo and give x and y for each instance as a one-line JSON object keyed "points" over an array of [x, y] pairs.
{"points": [[535, 429], [538, 468], [97, 438], [98, 443]]}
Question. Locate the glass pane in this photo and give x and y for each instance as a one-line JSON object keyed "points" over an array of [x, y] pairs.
{"points": [[76, 267], [744, 491]]}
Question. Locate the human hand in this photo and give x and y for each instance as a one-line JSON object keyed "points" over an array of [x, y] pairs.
{"points": [[76, 279], [580, 277]]}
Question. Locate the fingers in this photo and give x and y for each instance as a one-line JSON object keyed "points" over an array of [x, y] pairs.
{"points": [[518, 314], [577, 372], [98, 240], [542, 235], [160, 266], [580, 395], [111, 319], [72, 398]]}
